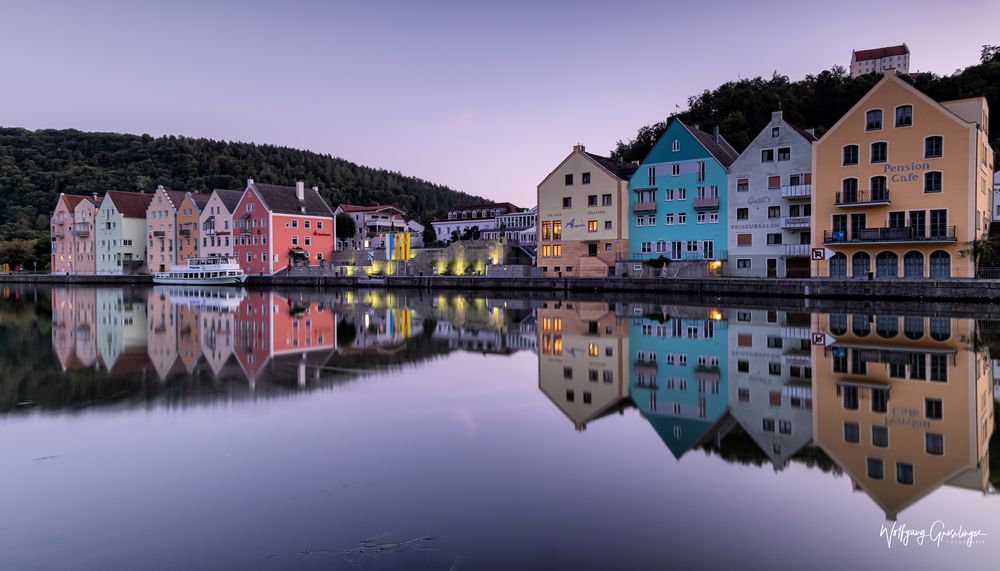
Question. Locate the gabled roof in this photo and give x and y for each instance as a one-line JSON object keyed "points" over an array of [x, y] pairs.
{"points": [[72, 200], [720, 149], [130, 204], [229, 198], [805, 134], [200, 199], [176, 197], [618, 168], [489, 205], [282, 199], [879, 53]]}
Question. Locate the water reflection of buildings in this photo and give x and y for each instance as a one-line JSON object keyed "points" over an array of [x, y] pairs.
{"points": [[904, 405], [74, 327], [679, 373], [582, 364], [770, 388]]}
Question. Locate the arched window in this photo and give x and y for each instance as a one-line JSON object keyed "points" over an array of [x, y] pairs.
{"points": [[873, 120], [838, 323], [933, 182], [838, 265], [887, 265], [676, 146], [913, 265], [850, 154], [904, 115], [880, 152], [940, 328], [848, 191], [861, 264], [940, 264], [933, 147], [880, 192], [860, 325], [913, 327], [887, 326]]}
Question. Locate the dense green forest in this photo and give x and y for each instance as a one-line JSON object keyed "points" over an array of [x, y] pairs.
{"points": [[742, 108], [35, 166]]}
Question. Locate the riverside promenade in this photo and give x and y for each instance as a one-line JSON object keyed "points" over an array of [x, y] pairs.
{"points": [[963, 290]]}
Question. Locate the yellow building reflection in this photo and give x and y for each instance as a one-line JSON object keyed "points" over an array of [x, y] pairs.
{"points": [[903, 404], [582, 359]]}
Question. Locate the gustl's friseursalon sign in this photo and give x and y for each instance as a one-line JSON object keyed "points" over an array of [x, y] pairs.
{"points": [[909, 170]]}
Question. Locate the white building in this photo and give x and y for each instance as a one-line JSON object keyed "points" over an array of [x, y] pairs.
{"points": [[479, 216], [514, 226], [769, 207], [880, 60], [369, 223]]}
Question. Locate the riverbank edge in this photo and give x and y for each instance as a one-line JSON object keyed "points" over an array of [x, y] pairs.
{"points": [[978, 291]]}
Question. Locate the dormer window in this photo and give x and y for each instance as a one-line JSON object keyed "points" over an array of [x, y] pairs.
{"points": [[676, 146]]}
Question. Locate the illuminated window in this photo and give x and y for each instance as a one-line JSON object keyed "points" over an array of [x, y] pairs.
{"points": [[592, 226]]}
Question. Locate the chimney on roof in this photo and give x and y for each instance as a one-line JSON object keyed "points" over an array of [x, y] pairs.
{"points": [[715, 133], [697, 126], [811, 131], [776, 115], [249, 182], [579, 148], [300, 190], [159, 187], [95, 197]]}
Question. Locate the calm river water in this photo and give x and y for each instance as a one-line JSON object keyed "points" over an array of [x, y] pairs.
{"points": [[245, 429]]}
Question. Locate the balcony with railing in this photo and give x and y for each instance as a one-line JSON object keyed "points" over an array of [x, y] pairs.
{"points": [[184, 231], [797, 191], [707, 373], [796, 222], [706, 203], [853, 198], [159, 234], [797, 250], [644, 206], [643, 366], [81, 232], [931, 233]]}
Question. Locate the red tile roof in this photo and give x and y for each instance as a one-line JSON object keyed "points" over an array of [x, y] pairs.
{"points": [[879, 53], [130, 204], [356, 208]]}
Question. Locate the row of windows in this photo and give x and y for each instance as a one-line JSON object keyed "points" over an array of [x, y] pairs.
{"points": [[783, 154], [794, 211], [887, 265], [679, 218], [584, 179], [887, 326], [904, 118], [567, 201], [879, 151]]}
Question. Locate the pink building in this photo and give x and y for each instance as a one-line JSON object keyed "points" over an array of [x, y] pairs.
{"points": [[161, 229], [217, 222], [281, 226], [84, 230], [65, 234]]}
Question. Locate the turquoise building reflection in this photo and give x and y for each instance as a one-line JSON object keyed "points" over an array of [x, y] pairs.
{"points": [[679, 367]]}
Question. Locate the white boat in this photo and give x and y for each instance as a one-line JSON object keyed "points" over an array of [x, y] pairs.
{"points": [[214, 270]]}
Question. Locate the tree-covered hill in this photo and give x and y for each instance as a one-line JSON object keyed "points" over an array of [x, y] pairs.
{"points": [[742, 108], [35, 166]]}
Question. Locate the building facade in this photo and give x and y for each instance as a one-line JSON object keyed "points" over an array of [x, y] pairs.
{"points": [[582, 366], [903, 404], [371, 222], [189, 226], [516, 227], [84, 232], [880, 60], [120, 235], [769, 203], [475, 216], [278, 227], [216, 222], [582, 216], [901, 184], [679, 209], [161, 231], [64, 234]]}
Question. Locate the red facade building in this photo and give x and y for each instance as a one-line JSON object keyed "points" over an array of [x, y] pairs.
{"points": [[277, 227]]}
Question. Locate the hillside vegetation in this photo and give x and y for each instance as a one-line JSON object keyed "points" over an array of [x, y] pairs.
{"points": [[742, 108]]}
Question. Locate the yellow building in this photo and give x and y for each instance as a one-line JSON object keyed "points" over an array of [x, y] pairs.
{"points": [[903, 404], [901, 184], [583, 360], [583, 216]]}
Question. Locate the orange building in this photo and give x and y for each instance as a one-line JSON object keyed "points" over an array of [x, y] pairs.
{"points": [[903, 404], [189, 225], [901, 184]]}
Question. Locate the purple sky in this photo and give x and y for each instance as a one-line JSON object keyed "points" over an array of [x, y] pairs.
{"points": [[485, 98]]}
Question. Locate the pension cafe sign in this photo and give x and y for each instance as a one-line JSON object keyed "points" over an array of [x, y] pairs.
{"points": [[905, 172]]}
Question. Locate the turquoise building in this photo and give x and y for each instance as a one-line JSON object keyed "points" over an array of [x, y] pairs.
{"points": [[677, 202], [679, 375]]}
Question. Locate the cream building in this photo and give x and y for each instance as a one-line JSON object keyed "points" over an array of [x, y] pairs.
{"points": [[583, 216], [217, 223]]}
